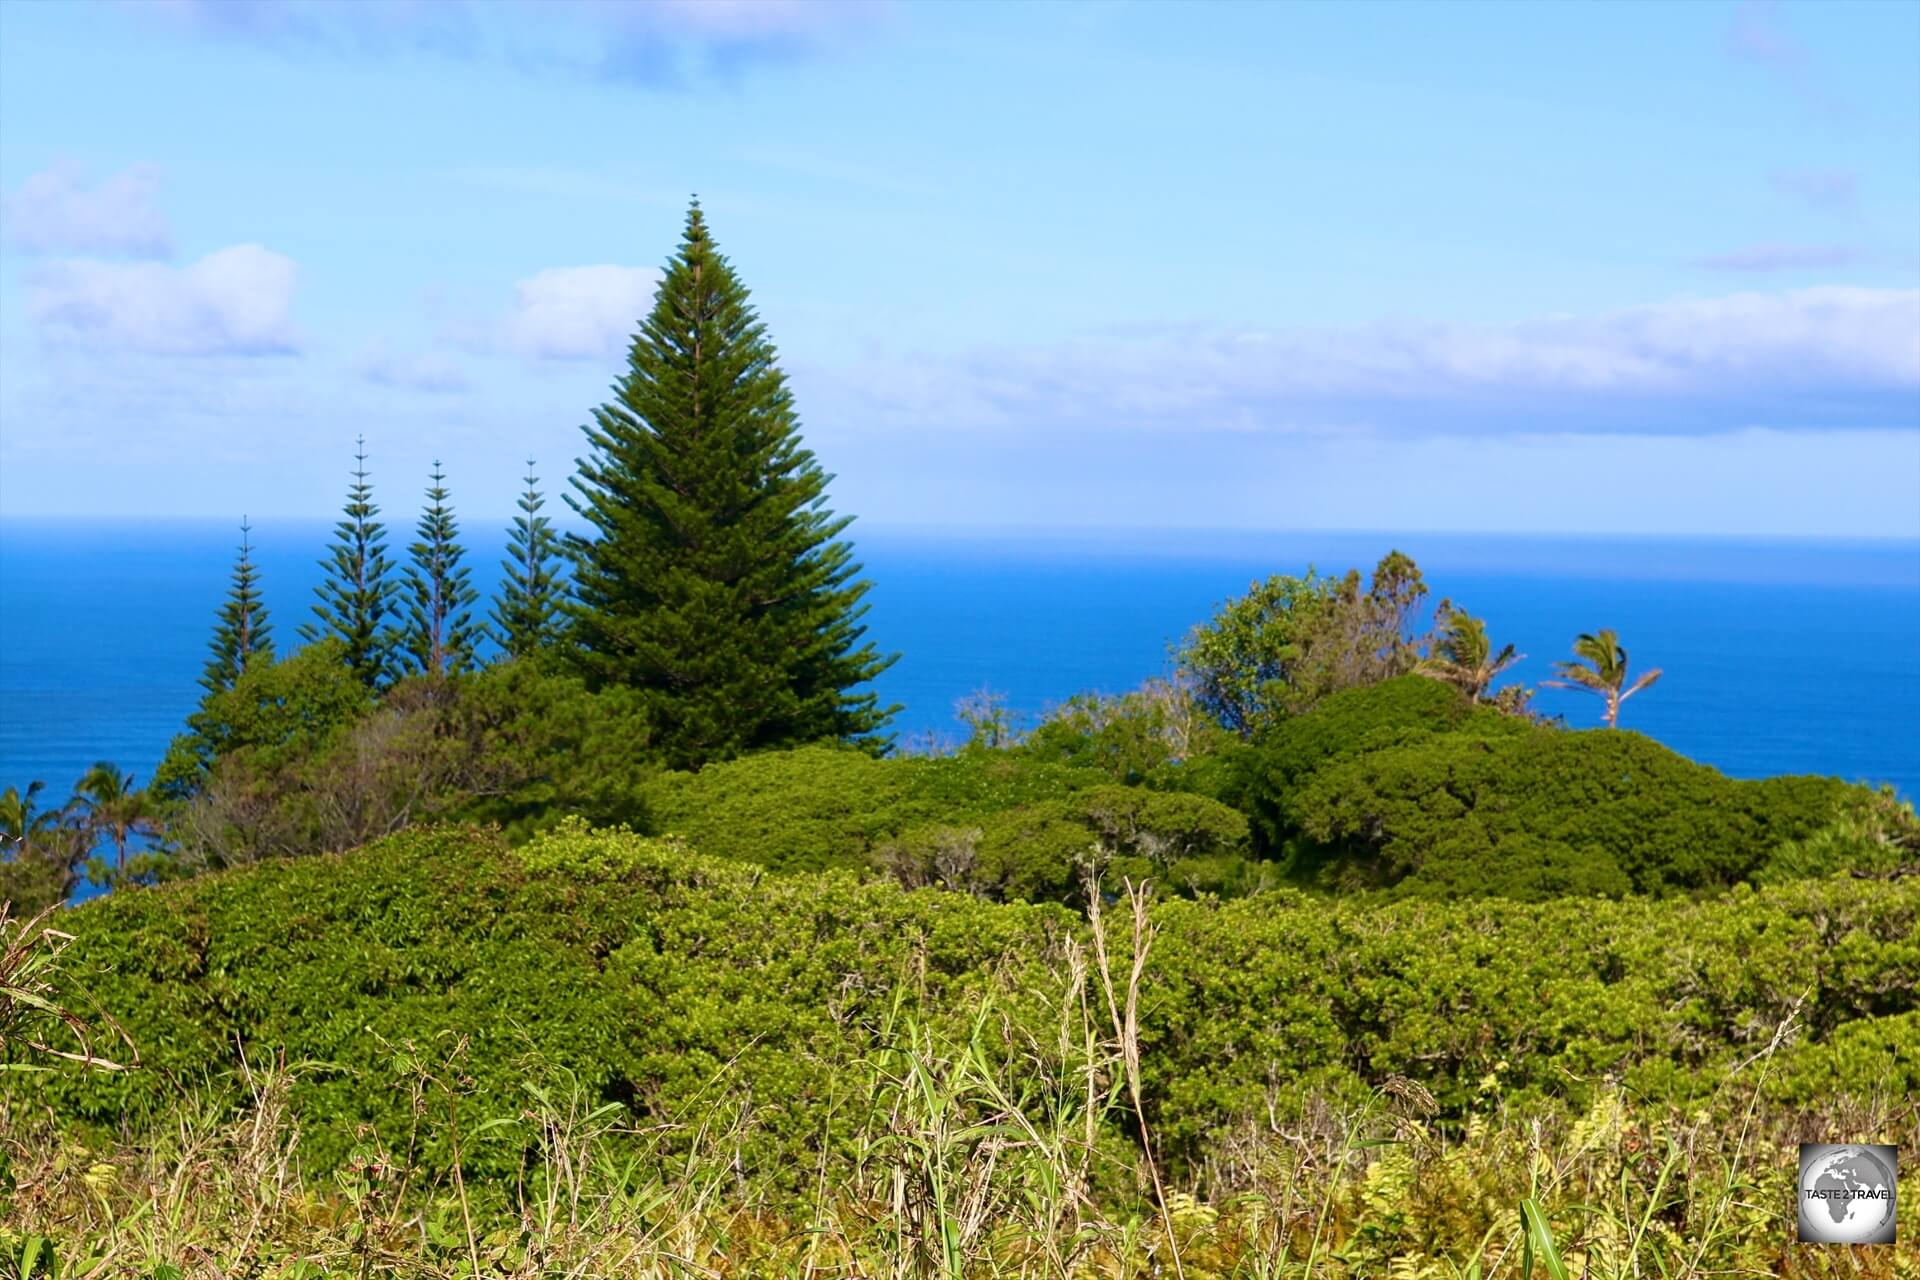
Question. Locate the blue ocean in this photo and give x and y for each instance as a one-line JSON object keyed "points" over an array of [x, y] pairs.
{"points": [[1780, 656]]}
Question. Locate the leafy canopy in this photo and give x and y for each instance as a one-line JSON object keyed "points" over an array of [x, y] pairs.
{"points": [[1291, 641]]}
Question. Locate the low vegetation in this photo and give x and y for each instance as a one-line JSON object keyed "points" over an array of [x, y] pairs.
{"points": [[600, 1052]]}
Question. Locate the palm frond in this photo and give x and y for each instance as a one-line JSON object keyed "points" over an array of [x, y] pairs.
{"points": [[1644, 682]]}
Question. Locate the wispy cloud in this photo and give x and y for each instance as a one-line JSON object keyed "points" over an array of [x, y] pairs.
{"points": [[1824, 357], [1757, 258], [1759, 35], [656, 43], [1830, 189], [676, 42], [58, 211], [236, 301], [567, 313], [424, 371], [357, 27]]}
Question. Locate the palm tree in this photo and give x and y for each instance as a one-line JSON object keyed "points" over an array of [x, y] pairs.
{"points": [[1603, 672], [113, 806], [1463, 656], [22, 823]]}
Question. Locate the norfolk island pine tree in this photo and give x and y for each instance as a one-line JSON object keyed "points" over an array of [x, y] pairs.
{"points": [[440, 637], [715, 581], [527, 613], [356, 594], [243, 629]]}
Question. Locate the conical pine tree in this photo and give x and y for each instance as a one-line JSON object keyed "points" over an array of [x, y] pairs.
{"points": [[526, 615], [440, 636], [716, 583], [243, 629], [356, 594]]}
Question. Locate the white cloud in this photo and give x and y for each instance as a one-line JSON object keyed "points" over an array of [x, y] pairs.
{"points": [[1831, 336], [1820, 357], [235, 301], [411, 370], [577, 313], [56, 211]]}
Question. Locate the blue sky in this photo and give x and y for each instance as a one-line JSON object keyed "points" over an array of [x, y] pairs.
{"points": [[1576, 268]]}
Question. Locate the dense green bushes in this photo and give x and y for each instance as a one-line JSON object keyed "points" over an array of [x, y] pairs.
{"points": [[678, 984], [1000, 824], [1399, 785], [1404, 785], [819, 807], [635, 966]]}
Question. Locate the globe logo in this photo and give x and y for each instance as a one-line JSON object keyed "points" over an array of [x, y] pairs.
{"points": [[1846, 1193]]}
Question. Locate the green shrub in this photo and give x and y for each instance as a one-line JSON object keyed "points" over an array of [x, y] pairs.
{"points": [[1872, 832], [800, 810], [1264, 1001], [1406, 786], [1391, 713], [999, 824], [1883, 1054], [640, 968], [300, 758], [1043, 851], [542, 747], [1464, 808], [1152, 735], [680, 985], [276, 715], [819, 807]]}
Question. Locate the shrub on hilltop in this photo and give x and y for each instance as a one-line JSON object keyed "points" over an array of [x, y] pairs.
{"points": [[1405, 786], [817, 807], [998, 824]]}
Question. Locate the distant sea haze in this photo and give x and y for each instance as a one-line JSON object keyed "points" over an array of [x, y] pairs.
{"points": [[1780, 656]]}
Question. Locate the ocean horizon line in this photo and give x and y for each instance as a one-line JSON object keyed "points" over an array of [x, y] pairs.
{"points": [[1088, 530]]}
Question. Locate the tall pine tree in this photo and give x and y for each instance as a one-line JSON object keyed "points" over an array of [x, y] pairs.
{"points": [[243, 629], [716, 584], [526, 616], [356, 594], [440, 636]]}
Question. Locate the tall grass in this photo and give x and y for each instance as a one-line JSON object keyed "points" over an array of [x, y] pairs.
{"points": [[989, 1152]]}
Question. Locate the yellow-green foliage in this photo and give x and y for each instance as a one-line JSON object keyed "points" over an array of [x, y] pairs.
{"points": [[1874, 832], [674, 984], [1000, 824], [950, 1162]]}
